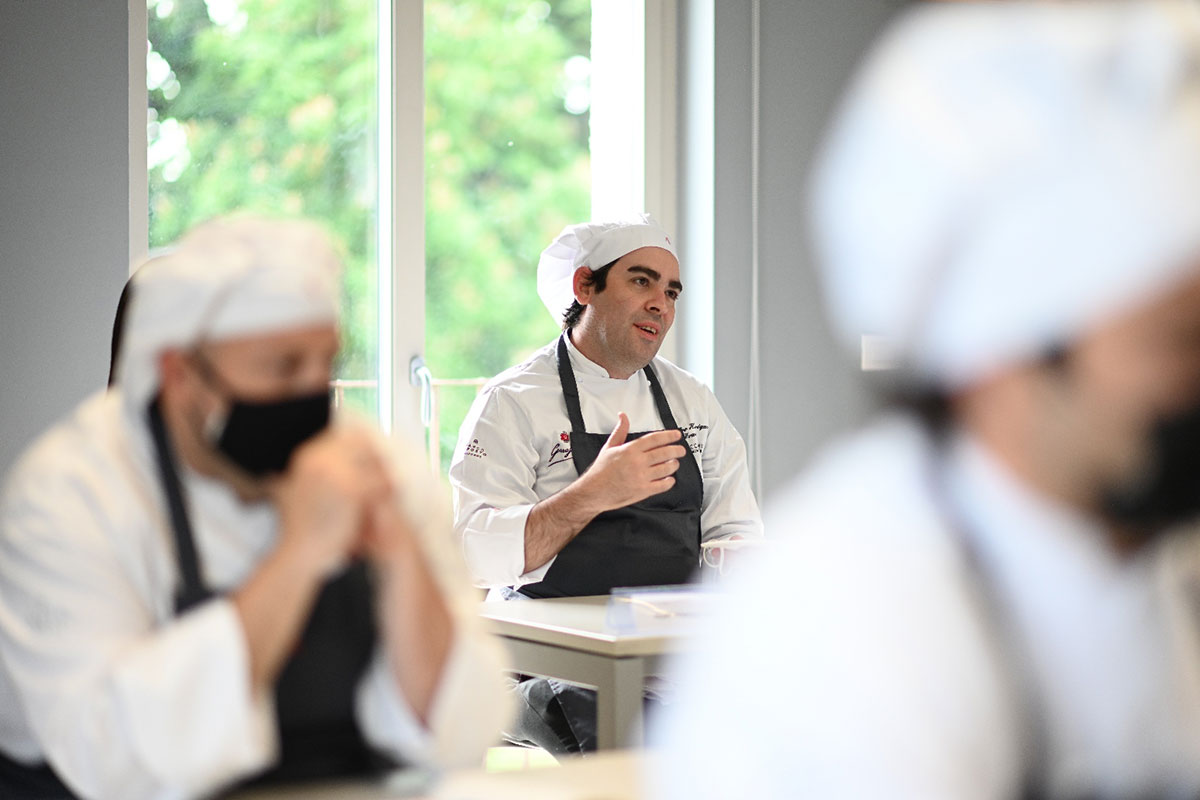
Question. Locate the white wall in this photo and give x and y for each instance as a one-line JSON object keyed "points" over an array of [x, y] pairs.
{"points": [[63, 205]]}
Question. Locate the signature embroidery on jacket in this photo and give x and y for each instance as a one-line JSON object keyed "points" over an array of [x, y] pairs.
{"points": [[691, 433], [561, 451], [476, 450]]}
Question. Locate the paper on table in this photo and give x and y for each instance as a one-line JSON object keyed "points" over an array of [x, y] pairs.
{"points": [[631, 609]]}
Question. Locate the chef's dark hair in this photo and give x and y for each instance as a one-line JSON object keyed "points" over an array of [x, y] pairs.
{"points": [[598, 279], [118, 334]]}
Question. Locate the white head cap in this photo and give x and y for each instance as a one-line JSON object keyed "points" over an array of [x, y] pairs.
{"points": [[227, 278], [592, 244], [1001, 176]]}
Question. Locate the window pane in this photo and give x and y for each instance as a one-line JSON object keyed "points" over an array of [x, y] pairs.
{"points": [[270, 106], [507, 166]]}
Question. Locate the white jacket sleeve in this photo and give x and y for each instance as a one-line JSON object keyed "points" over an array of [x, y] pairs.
{"points": [[122, 707], [471, 706], [493, 491], [469, 711]]}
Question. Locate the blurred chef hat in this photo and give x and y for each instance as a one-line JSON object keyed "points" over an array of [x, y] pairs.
{"points": [[226, 278], [592, 244], [1001, 176]]}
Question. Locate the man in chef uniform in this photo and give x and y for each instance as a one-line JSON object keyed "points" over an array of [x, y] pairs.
{"points": [[204, 580], [595, 463], [982, 596]]}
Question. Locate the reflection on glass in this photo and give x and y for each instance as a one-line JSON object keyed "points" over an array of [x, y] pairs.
{"points": [[269, 106]]}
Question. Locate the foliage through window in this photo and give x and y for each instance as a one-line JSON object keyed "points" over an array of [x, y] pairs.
{"points": [[270, 106], [507, 166]]}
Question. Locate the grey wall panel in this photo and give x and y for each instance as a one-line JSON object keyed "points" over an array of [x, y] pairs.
{"points": [[63, 205], [811, 387], [732, 234]]}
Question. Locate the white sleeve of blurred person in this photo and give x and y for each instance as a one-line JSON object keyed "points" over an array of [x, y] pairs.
{"points": [[470, 706], [847, 662]]}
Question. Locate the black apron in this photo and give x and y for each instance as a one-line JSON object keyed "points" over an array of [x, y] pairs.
{"points": [[314, 695], [653, 542]]}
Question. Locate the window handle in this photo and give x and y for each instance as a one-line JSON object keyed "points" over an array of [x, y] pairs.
{"points": [[419, 375]]}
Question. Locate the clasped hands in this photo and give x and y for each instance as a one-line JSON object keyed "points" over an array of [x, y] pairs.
{"points": [[338, 500]]}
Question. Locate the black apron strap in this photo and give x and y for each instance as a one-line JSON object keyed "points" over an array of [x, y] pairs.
{"points": [[660, 399], [570, 389], [193, 591]]}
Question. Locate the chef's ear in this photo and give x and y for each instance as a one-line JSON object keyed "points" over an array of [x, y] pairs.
{"points": [[583, 285], [172, 369]]}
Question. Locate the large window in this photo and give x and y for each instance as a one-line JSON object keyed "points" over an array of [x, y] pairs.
{"points": [[270, 106], [534, 113]]}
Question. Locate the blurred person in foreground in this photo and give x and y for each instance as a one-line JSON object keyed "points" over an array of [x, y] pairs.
{"points": [[986, 593], [204, 580]]}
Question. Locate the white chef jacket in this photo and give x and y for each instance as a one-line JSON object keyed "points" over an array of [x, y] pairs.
{"points": [[899, 670], [514, 450], [127, 701]]}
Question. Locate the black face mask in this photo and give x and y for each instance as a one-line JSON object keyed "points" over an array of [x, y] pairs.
{"points": [[260, 437], [1169, 490]]}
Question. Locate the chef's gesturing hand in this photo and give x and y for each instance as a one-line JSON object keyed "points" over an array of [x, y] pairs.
{"points": [[627, 472], [624, 472], [327, 495]]}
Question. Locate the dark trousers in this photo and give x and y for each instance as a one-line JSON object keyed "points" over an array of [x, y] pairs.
{"points": [[559, 717]]}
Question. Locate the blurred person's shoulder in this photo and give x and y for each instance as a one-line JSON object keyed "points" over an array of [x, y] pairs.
{"points": [[88, 439], [869, 496], [858, 611], [92, 457]]}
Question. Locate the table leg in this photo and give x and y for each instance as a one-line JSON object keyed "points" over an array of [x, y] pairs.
{"points": [[619, 705]]}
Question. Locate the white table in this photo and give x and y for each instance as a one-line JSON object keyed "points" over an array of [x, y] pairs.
{"points": [[611, 775], [604, 642], [614, 775]]}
